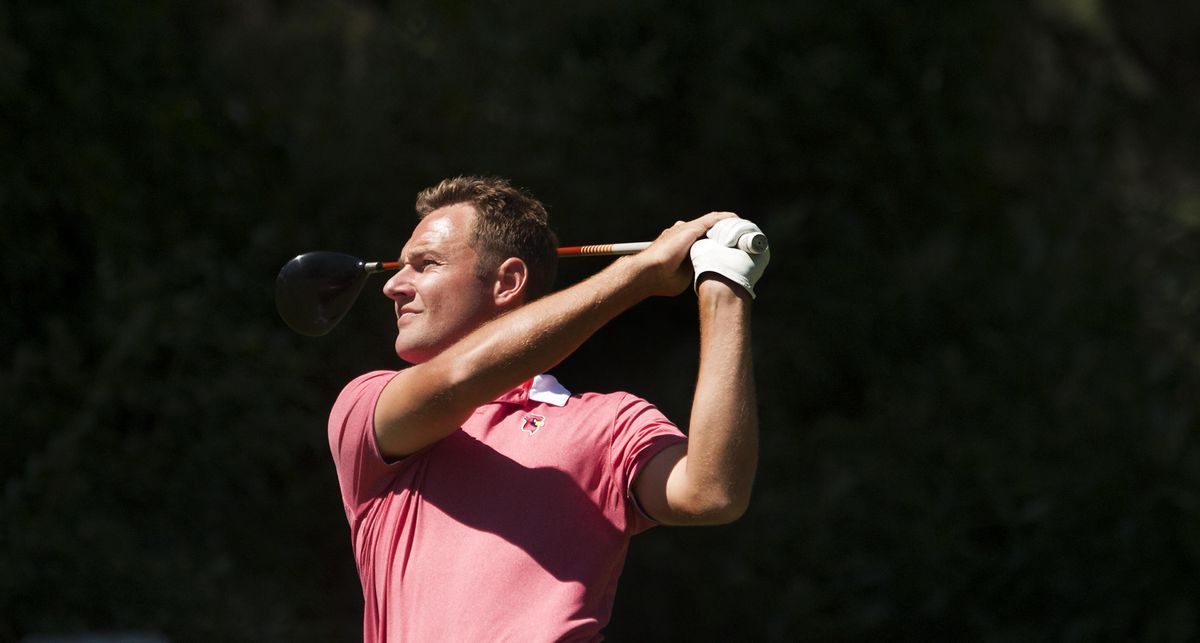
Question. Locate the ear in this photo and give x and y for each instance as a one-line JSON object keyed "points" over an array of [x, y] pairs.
{"points": [[511, 279]]}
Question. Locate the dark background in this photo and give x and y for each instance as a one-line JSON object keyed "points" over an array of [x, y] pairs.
{"points": [[976, 344]]}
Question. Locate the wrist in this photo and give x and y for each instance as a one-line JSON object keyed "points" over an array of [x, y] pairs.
{"points": [[720, 289], [644, 277], [629, 279], [725, 308]]}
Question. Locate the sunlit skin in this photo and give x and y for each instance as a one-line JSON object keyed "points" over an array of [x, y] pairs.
{"points": [[472, 339], [438, 296]]}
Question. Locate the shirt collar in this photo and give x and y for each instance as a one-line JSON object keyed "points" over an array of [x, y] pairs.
{"points": [[542, 388], [546, 389]]}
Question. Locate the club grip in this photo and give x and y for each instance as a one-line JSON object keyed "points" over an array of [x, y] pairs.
{"points": [[753, 243]]}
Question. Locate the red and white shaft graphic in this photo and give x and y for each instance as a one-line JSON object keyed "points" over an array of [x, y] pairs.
{"points": [[604, 249], [751, 242]]}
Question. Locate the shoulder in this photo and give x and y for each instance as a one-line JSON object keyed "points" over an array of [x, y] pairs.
{"points": [[367, 381], [614, 398], [593, 401], [605, 395], [618, 409], [365, 386], [367, 378]]}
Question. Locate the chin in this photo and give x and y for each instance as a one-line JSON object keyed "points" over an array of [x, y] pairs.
{"points": [[416, 348], [412, 354]]}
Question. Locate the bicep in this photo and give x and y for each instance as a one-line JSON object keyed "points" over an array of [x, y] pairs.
{"points": [[661, 487]]}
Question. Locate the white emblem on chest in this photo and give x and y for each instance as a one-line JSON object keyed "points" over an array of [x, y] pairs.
{"points": [[531, 422]]}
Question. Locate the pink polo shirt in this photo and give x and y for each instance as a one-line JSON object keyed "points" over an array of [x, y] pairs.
{"points": [[513, 528]]}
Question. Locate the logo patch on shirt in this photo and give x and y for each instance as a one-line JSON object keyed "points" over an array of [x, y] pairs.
{"points": [[531, 422]]}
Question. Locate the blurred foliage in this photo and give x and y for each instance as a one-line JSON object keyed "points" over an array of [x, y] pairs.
{"points": [[976, 344]]}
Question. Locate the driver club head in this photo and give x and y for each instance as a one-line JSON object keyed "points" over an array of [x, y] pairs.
{"points": [[314, 290]]}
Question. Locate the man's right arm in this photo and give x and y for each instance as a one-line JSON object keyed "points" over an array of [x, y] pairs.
{"points": [[426, 402]]}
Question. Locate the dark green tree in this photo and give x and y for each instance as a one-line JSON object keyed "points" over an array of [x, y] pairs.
{"points": [[977, 347]]}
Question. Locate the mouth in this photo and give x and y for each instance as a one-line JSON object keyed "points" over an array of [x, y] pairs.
{"points": [[402, 315]]}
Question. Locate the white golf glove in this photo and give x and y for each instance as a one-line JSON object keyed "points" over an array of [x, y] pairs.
{"points": [[720, 253]]}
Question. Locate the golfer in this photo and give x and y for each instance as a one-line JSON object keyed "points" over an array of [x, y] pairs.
{"points": [[487, 502]]}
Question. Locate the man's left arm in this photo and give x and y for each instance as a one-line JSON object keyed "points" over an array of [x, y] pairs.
{"points": [[708, 479]]}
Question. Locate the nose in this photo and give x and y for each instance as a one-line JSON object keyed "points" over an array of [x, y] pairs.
{"points": [[399, 286]]}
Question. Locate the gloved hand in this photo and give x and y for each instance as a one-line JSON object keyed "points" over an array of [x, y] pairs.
{"points": [[719, 253]]}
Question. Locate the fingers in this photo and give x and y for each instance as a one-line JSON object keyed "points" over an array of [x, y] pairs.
{"points": [[738, 233], [722, 255], [667, 257], [701, 225], [709, 220]]}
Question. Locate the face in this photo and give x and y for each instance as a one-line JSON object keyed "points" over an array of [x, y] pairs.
{"points": [[438, 299]]}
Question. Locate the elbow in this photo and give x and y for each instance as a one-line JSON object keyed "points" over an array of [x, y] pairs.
{"points": [[720, 508], [731, 511]]}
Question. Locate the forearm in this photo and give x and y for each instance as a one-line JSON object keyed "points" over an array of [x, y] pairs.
{"points": [[428, 401], [534, 338], [722, 452]]}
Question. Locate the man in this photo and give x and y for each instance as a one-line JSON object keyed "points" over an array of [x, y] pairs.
{"points": [[485, 501]]}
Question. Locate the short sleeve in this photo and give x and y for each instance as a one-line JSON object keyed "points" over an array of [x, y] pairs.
{"points": [[640, 432], [362, 471]]}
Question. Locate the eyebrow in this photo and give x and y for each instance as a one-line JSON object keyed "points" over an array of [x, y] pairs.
{"points": [[418, 251]]}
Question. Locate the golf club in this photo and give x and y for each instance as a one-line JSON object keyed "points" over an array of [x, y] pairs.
{"points": [[314, 290]]}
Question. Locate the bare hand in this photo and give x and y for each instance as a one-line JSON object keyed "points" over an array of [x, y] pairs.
{"points": [[666, 264]]}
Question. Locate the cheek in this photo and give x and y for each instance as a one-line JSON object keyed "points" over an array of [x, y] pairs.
{"points": [[452, 295]]}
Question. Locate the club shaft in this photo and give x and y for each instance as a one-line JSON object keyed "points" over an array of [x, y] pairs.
{"points": [[380, 266], [598, 250], [604, 249]]}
